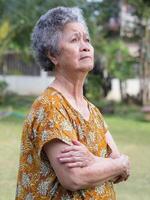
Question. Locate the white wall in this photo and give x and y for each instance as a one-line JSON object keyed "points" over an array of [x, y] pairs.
{"points": [[30, 85], [133, 87], [114, 94]]}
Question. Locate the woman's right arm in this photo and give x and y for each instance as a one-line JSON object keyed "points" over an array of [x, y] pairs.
{"points": [[102, 170]]}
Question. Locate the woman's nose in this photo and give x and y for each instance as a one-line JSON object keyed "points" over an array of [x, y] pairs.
{"points": [[84, 46]]}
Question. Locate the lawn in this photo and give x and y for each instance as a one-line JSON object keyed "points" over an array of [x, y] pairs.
{"points": [[132, 136], [133, 139]]}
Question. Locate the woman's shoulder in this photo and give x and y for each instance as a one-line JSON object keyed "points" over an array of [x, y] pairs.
{"points": [[49, 98], [48, 102], [93, 106], [96, 110]]}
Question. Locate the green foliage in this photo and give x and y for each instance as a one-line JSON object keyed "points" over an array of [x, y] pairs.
{"points": [[21, 17], [142, 7], [3, 86], [17, 102], [118, 61], [94, 92]]}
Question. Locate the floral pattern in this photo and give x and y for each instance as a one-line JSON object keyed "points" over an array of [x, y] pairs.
{"points": [[51, 116], [43, 188], [29, 197]]}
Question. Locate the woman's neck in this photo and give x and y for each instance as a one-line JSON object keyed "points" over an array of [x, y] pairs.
{"points": [[71, 87]]}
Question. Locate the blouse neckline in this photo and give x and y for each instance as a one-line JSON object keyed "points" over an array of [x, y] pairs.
{"points": [[75, 110]]}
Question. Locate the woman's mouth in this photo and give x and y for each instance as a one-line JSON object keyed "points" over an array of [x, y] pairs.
{"points": [[85, 57]]}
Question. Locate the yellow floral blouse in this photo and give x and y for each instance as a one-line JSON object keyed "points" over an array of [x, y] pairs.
{"points": [[51, 116]]}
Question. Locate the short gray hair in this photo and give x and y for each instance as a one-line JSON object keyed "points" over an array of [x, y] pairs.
{"points": [[47, 32]]}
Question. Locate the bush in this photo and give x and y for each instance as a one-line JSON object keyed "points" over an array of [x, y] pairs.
{"points": [[93, 88], [3, 87]]}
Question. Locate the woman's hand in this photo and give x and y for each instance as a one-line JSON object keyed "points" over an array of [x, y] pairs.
{"points": [[126, 169], [115, 154], [76, 155]]}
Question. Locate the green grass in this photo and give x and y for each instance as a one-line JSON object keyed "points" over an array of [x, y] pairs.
{"points": [[10, 132], [133, 139], [130, 133]]}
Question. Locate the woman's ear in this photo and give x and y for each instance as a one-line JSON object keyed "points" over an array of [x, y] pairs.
{"points": [[52, 58]]}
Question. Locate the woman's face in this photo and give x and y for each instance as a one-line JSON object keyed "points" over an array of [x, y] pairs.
{"points": [[76, 52]]}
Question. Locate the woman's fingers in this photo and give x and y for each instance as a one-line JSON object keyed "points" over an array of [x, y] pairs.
{"points": [[76, 155], [70, 148], [70, 160], [125, 163], [75, 147], [70, 154], [76, 164]]}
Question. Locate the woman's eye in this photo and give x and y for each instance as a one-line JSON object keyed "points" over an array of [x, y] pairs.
{"points": [[74, 40]]}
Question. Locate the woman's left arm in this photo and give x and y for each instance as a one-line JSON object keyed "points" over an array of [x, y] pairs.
{"points": [[111, 143], [114, 154]]}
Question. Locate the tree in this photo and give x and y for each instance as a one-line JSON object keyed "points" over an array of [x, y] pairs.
{"points": [[119, 63], [143, 12], [115, 60], [18, 19]]}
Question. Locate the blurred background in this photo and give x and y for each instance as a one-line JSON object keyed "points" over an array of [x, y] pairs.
{"points": [[119, 84]]}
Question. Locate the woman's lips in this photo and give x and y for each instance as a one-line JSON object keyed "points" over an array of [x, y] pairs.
{"points": [[85, 57]]}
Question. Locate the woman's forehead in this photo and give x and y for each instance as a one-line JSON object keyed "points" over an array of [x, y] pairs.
{"points": [[75, 28]]}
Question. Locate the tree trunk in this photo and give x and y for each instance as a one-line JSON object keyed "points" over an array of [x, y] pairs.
{"points": [[145, 73]]}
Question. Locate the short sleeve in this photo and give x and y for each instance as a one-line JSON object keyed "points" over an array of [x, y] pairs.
{"points": [[105, 126], [102, 120], [50, 123]]}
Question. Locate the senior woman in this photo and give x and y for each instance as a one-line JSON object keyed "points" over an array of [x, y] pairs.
{"points": [[67, 151]]}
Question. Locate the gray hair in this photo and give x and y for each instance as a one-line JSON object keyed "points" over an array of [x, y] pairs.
{"points": [[47, 32]]}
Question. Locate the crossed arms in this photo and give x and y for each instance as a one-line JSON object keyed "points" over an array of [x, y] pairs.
{"points": [[77, 168]]}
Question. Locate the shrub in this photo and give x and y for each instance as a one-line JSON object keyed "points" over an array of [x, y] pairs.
{"points": [[3, 87]]}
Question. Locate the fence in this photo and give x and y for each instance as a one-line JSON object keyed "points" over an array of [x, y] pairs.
{"points": [[17, 64]]}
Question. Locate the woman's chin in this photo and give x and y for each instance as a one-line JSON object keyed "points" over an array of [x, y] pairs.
{"points": [[86, 68]]}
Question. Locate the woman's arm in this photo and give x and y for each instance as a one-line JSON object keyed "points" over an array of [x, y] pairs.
{"points": [[102, 170], [115, 154], [110, 141], [78, 155]]}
